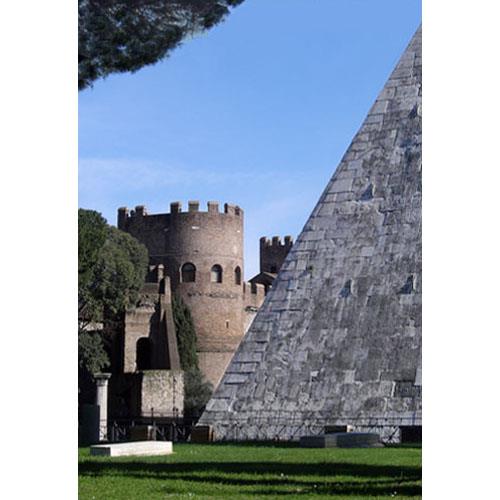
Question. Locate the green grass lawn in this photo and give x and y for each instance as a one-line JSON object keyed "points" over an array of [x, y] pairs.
{"points": [[254, 471]]}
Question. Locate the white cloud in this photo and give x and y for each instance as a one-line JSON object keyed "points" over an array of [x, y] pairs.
{"points": [[120, 174]]}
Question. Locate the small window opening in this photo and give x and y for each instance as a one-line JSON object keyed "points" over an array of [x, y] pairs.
{"points": [[188, 273], [237, 276], [216, 274]]}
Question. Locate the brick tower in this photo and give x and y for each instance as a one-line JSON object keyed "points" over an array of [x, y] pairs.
{"points": [[202, 254]]}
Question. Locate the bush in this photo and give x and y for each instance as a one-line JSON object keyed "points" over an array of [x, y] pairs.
{"points": [[197, 392]]}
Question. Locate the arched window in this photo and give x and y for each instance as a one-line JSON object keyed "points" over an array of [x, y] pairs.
{"points": [[216, 274], [188, 273], [237, 276], [143, 354]]}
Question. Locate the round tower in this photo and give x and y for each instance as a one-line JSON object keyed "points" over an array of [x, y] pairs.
{"points": [[203, 256]]}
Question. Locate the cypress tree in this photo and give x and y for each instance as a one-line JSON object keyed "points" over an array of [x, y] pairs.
{"points": [[197, 390], [186, 335]]}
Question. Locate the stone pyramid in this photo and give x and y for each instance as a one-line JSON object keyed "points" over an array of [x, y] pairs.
{"points": [[337, 341]]}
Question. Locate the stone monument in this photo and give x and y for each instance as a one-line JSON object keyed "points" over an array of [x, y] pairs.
{"points": [[337, 341]]}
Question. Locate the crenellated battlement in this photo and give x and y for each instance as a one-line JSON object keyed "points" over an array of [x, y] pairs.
{"points": [[176, 209], [253, 294], [253, 288], [276, 242], [273, 252]]}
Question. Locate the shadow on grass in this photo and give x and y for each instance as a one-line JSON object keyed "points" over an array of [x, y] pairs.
{"points": [[295, 444], [325, 478], [255, 444], [417, 446], [345, 489]]}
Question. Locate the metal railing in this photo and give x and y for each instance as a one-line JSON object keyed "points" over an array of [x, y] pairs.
{"points": [[290, 425], [258, 425], [166, 426]]}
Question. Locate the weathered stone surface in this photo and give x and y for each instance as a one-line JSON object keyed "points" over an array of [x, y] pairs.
{"points": [[159, 392], [151, 321], [137, 448], [342, 440], [339, 334]]}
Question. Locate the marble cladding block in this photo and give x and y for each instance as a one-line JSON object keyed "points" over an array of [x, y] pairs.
{"points": [[135, 449]]}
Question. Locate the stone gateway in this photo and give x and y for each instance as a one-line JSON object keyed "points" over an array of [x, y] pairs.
{"points": [[200, 258]]}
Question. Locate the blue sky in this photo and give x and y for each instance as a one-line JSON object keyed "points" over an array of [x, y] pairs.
{"points": [[257, 112]]}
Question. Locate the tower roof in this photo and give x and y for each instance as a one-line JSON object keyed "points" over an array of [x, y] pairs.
{"points": [[338, 338]]}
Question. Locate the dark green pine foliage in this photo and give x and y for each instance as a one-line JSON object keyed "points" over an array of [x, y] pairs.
{"points": [[197, 390], [125, 35]]}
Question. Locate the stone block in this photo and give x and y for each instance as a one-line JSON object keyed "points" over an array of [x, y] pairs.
{"points": [[418, 377], [354, 165], [342, 440], [367, 251], [248, 357], [235, 378], [202, 434], [135, 449], [247, 367], [341, 185], [218, 404], [374, 118]]}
